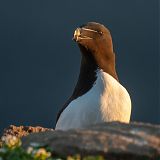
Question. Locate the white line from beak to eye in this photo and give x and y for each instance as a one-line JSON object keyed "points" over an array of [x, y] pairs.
{"points": [[91, 30]]}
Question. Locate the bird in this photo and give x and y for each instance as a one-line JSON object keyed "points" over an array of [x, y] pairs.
{"points": [[98, 95]]}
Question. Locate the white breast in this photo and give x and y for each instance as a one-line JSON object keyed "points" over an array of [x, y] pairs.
{"points": [[106, 101]]}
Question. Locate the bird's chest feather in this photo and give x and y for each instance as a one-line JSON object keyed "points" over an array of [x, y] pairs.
{"points": [[106, 101]]}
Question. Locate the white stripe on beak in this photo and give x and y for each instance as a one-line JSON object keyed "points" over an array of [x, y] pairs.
{"points": [[91, 30]]}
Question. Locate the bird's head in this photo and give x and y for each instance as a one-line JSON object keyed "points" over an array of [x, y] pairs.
{"points": [[94, 37]]}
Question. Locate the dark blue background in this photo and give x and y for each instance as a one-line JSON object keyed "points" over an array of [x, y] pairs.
{"points": [[39, 63]]}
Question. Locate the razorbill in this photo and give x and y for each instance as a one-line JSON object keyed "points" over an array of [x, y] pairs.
{"points": [[98, 95]]}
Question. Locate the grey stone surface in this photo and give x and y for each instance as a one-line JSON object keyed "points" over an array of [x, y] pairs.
{"points": [[114, 140]]}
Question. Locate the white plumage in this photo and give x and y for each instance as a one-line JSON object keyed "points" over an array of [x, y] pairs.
{"points": [[106, 101]]}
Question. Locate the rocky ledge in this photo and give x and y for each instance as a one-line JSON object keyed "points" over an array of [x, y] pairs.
{"points": [[114, 141], [22, 131]]}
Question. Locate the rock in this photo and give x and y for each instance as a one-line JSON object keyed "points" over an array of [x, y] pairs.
{"points": [[22, 131], [114, 141]]}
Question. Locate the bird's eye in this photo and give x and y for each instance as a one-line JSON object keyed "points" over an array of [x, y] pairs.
{"points": [[100, 32]]}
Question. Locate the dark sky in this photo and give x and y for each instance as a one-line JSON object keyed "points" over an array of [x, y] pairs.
{"points": [[39, 63]]}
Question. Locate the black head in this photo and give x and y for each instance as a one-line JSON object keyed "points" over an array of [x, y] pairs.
{"points": [[95, 41], [94, 37]]}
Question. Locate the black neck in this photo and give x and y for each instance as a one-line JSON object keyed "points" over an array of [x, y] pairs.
{"points": [[87, 75]]}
